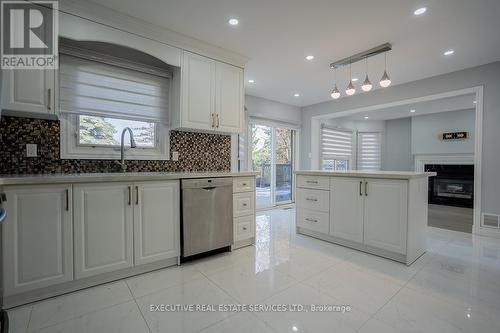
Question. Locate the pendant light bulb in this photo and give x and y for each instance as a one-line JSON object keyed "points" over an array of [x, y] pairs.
{"points": [[367, 85], [350, 89], [335, 92], [385, 81]]}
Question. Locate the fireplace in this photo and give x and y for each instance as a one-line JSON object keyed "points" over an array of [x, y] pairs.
{"points": [[453, 185]]}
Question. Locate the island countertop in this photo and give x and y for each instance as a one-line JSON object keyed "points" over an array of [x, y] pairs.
{"points": [[112, 177], [367, 174]]}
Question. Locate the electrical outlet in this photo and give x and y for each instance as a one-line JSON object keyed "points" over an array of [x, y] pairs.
{"points": [[31, 150], [175, 156]]}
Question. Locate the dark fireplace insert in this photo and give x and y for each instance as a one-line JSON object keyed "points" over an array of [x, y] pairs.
{"points": [[453, 185]]}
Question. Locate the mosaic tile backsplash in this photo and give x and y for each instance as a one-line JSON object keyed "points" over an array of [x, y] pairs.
{"points": [[198, 152]]}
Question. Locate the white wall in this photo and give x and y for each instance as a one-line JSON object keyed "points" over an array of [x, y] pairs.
{"points": [[271, 110], [487, 76], [426, 129], [396, 154]]}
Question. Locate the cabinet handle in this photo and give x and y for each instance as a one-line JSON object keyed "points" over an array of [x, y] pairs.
{"points": [[311, 220], [311, 181], [311, 199], [366, 188], [67, 199], [244, 228], [244, 205], [213, 120], [218, 122], [244, 184], [137, 195], [360, 191], [3, 197], [49, 99], [129, 195]]}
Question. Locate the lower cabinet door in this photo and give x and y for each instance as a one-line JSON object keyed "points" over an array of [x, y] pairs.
{"points": [[346, 208], [103, 222], [37, 237], [386, 214], [156, 221]]}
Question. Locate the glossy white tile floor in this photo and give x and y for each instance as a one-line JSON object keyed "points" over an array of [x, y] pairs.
{"points": [[454, 287]]}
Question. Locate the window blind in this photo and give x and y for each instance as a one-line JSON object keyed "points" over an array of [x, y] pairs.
{"points": [[369, 151], [99, 89], [336, 143]]}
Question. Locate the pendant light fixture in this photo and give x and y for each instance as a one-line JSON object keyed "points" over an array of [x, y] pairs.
{"points": [[367, 85], [350, 88], [335, 92], [385, 81]]}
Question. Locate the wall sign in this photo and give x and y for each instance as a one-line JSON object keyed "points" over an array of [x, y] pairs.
{"points": [[455, 136]]}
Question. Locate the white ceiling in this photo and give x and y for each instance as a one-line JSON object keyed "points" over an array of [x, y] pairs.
{"points": [[456, 103], [278, 34]]}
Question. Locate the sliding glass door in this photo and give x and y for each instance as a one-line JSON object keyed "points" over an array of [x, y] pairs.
{"points": [[272, 157]]}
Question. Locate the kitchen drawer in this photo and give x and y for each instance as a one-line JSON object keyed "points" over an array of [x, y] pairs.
{"points": [[244, 227], [243, 184], [315, 221], [317, 200], [243, 204], [314, 182]]}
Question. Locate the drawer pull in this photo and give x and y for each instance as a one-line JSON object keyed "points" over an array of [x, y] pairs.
{"points": [[244, 205], [312, 199], [311, 220], [245, 228], [311, 181], [244, 184]]}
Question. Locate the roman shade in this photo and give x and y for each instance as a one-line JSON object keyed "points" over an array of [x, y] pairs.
{"points": [[102, 89]]}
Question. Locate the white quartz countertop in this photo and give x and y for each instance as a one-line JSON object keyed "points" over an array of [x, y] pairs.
{"points": [[367, 174], [112, 177]]}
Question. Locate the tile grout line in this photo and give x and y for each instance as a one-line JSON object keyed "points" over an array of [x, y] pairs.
{"points": [[138, 307]]}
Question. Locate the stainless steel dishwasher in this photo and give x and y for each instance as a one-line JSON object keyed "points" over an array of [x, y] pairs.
{"points": [[207, 215]]}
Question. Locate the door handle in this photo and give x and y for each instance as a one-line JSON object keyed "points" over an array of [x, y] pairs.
{"points": [[49, 99], [129, 195], [67, 199], [137, 195], [366, 188], [360, 190]]}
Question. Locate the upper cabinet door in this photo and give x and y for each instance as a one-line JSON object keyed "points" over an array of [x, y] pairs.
{"points": [[103, 223], [346, 208], [229, 98], [156, 221], [386, 209], [29, 90], [198, 92], [37, 237]]}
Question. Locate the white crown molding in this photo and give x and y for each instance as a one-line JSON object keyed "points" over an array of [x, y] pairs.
{"points": [[106, 16]]}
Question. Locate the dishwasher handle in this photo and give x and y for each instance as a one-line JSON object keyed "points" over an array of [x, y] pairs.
{"points": [[210, 188]]}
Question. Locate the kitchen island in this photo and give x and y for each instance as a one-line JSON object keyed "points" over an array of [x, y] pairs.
{"points": [[380, 212]]}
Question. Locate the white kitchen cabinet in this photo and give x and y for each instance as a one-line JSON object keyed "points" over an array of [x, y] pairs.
{"points": [[37, 237], [228, 98], [156, 221], [346, 206], [198, 92], [211, 95], [103, 221], [29, 90], [386, 214], [243, 211]]}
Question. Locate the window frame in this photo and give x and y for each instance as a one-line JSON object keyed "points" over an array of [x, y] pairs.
{"points": [[71, 149]]}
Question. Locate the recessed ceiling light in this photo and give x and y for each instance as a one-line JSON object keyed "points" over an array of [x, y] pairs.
{"points": [[251, 81], [354, 79], [448, 52], [366, 117], [413, 110], [419, 11], [310, 57], [233, 21], [475, 102], [296, 95]]}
